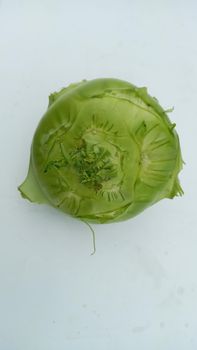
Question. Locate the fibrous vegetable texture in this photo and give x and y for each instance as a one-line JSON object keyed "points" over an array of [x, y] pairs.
{"points": [[104, 151]]}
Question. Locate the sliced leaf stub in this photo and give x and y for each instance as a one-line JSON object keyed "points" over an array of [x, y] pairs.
{"points": [[31, 190]]}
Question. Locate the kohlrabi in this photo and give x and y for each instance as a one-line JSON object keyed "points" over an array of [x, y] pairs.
{"points": [[104, 151]]}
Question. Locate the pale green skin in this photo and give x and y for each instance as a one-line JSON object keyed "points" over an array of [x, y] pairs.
{"points": [[103, 152]]}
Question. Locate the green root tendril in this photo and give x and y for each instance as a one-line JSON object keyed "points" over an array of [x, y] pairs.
{"points": [[93, 237]]}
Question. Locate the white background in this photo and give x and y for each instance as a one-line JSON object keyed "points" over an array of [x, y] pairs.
{"points": [[139, 291]]}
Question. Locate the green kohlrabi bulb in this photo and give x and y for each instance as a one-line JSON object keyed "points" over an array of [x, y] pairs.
{"points": [[104, 151]]}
